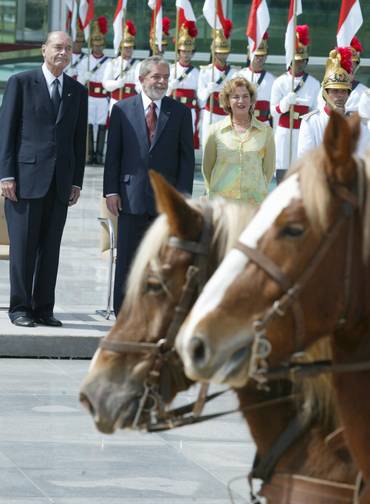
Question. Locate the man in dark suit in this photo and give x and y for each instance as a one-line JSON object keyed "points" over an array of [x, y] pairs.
{"points": [[42, 154], [147, 131]]}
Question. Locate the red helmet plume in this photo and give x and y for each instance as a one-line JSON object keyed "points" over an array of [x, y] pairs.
{"points": [[356, 44], [191, 28], [227, 26], [166, 23], [345, 58], [303, 32], [131, 27], [103, 24]]}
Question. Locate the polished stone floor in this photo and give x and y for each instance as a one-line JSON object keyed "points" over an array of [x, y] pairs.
{"points": [[50, 451]]}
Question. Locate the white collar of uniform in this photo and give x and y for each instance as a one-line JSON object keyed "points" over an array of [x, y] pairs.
{"points": [[50, 78], [147, 101]]}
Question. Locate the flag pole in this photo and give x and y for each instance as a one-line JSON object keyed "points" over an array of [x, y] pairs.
{"points": [[291, 108], [176, 39], [213, 63], [155, 29], [88, 85], [123, 34]]}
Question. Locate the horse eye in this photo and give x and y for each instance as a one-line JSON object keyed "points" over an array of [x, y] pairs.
{"points": [[292, 231]]}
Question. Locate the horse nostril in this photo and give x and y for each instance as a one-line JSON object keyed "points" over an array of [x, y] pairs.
{"points": [[198, 351], [84, 400]]}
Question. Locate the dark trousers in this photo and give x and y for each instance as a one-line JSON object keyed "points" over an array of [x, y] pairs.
{"points": [[35, 232], [131, 229]]}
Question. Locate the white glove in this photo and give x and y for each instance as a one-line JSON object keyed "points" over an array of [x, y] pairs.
{"points": [[211, 87], [120, 83], [87, 76], [287, 101]]}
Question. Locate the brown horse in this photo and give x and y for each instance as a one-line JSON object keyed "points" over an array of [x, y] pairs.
{"points": [[300, 271], [116, 381]]}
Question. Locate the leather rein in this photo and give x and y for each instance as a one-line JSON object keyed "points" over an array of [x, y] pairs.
{"points": [[259, 368], [151, 403]]}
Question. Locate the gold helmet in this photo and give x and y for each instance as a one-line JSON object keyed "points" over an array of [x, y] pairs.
{"points": [[302, 42], [356, 48], [187, 34], [165, 33], [128, 39], [338, 69], [100, 28], [221, 38], [262, 49]]}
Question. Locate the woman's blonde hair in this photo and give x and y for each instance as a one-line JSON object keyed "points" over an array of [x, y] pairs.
{"points": [[230, 87]]}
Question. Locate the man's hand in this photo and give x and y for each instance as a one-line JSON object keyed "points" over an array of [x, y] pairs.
{"points": [[75, 194], [8, 188], [114, 204]]}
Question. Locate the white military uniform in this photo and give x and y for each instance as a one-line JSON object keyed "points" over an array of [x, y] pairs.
{"points": [[306, 100], [206, 87], [312, 130], [263, 81], [364, 111], [354, 97], [73, 70], [183, 88], [98, 96], [113, 82]]}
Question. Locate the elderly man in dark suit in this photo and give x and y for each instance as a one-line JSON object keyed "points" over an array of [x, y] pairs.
{"points": [[147, 131], [42, 154]]}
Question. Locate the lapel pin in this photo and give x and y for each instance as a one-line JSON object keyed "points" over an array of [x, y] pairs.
{"points": [[69, 94]]}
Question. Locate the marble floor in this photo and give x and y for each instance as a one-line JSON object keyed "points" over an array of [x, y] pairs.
{"points": [[50, 451]]}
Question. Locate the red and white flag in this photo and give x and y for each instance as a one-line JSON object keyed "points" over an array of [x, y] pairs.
{"points": [[213, 14], [289, 40], [117, 23], [350, 20], [186, 12], [86, 13], [157, 16], [258, 23], [72, 18]]}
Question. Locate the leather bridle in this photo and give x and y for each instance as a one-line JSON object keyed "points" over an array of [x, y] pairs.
{"points": [[290, 299], [163, 353]]}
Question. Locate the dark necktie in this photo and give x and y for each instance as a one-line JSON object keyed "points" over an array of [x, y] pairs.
{"points": [[151, 122], [55, 97]]}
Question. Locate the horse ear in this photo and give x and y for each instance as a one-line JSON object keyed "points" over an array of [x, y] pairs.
{"points": [[340, 141], [184, 221]]}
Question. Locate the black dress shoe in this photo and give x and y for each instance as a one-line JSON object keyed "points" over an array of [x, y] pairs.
{"points": [[23, 321], [48, 320]]}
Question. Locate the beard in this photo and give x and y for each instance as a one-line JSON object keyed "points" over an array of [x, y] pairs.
{"points": [[155, 94]]}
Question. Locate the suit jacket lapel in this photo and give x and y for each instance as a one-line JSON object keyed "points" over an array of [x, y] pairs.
{"points": [[164, 115], [42, 96], [66, 98], [139, 119]]}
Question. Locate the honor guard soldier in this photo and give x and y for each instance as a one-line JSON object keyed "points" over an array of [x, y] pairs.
{"points": [[336, 89], [91, 73], [262, 79], [303, 98], [211, 82], [184, 76], [77, 54], [119, 73], [154, 49], [357, 87]]}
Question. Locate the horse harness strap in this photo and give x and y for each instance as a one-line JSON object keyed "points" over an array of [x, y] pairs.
{"points": [[163, 351], [263, 467], [351, 200]]}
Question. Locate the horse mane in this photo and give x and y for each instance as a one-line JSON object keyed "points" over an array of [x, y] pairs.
{"points": [[228, 218], [317, 393]]}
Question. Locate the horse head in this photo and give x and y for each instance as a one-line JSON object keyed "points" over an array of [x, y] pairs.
{"points": [[136, 372], [296, 274]]}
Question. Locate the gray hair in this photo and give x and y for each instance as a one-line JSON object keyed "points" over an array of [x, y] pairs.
{"points": [[148, 64]]}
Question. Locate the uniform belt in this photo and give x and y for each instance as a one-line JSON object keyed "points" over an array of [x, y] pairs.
{"points": [[186, 97], [97, 91], [125, 92], [299, 111], [262, 110], [216, 105]]}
